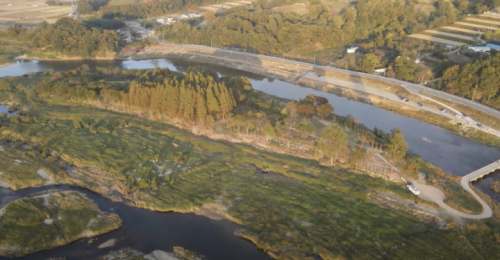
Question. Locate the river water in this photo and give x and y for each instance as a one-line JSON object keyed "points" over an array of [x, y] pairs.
{"points": [[456, 155]]}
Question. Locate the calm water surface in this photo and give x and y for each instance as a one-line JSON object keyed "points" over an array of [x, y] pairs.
{"points": [[145, 230]]}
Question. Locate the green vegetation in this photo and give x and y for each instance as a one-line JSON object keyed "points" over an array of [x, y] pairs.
{"points": [[49, 219], [495, 186], [476, 81], [20, 162], [157, 166]]}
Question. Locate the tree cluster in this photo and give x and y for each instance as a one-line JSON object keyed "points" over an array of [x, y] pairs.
{"points": [[196, 98], [73, 38], [90, 6], [150, 8], [477, 81]]}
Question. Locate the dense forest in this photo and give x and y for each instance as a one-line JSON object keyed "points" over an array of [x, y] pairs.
{"points": [[70, 37], [477, 81]]}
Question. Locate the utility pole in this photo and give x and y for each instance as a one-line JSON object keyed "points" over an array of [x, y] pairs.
{"points": [[254, 49], [210, 41], [314, 58]]}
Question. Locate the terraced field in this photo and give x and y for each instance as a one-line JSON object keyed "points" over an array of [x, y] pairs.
{"points": [[462, 33], [436, 39]]}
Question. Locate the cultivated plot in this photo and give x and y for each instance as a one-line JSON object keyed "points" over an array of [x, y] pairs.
{"points": [[483, 21], [477, 26], [451, 28], [452, 35], [436, 39]]}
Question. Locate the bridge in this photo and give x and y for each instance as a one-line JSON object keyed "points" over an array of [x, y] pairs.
{"points": [[474, 176], [481, 173]]}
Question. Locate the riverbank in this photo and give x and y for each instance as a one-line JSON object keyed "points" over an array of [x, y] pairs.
{"points": [[370, 91]]}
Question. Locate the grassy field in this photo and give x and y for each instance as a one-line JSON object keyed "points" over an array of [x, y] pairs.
{"points": [[49, 219], [325, 210]]}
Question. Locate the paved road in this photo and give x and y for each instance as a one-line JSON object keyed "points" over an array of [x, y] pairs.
{"points": [[413, 88]]}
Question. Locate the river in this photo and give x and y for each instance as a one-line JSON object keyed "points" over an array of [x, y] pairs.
{"points": [[455, 154]]}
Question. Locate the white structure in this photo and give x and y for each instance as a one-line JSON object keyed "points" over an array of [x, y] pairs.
{"points": [[413, 189], [380, 70], [479, 48], [352, 49]]}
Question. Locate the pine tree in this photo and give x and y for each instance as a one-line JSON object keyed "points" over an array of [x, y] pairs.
{"points": [[201, 107], [212, 102]]}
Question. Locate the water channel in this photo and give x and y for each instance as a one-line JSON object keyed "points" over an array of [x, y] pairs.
{"points": [[456, 155]]}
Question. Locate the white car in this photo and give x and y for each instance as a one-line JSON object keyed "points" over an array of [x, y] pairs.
{"points": [[458, 116], [444, 111]]}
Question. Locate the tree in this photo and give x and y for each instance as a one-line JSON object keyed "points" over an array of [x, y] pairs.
{"points": [[462, 5], [411, 167], [357, 156], [404, 68], [397, 146], [306, 109], [324, 110], [334, 140], [368, 63], [270, 132], [291, 107]]}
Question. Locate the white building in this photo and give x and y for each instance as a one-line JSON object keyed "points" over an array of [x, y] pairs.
{"points": [[479, 48], [352, 49], [380, 70]]}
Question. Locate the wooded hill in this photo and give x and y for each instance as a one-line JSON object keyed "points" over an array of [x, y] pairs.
{"points": [[477, 81], [68, 37]]}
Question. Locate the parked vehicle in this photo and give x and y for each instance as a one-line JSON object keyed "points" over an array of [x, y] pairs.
{"points": [[420, 104], [443, 111], [458, 116], [413, 189]]}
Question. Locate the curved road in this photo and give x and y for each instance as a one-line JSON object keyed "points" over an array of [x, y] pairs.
{"points": [[413, 88]]}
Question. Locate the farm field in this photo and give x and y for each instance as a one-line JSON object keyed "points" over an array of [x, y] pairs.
{"points": [[30, 11]]}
